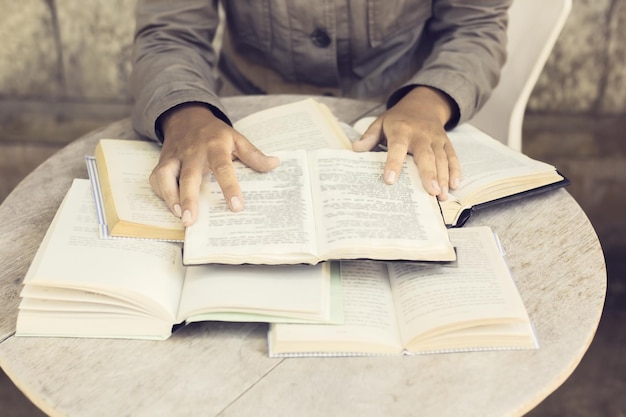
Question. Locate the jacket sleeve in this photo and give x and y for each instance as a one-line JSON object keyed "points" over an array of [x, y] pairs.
{"points": [[173, 60], [468, 50]]}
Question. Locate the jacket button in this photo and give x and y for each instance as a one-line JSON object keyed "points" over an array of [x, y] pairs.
{"points": [[320, 38]]}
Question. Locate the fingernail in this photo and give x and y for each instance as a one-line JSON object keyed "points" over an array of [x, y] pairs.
{"points": [[186, 218], [391, 177], [456, 183], [444, 194], [235, 204], [435, 186], [177, 211]]}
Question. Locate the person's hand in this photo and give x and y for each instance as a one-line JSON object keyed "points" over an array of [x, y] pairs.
{"points": [[196, 142], [415, 125]]}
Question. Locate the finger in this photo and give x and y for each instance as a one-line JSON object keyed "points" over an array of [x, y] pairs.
{"points": [[396, 154], [427, 166], [443, 175], [164, 182], [226, 177], [250, 155], [398, 136], [370, 138], [191, 174], [454, 166]]}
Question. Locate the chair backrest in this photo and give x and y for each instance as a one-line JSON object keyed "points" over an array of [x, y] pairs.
{"points": [[534, 26]]}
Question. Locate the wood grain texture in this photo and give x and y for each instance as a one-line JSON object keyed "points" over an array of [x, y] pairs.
{"points": [[223, 369]]}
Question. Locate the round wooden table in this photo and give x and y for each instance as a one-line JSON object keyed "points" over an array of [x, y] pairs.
{"points": [[214, 368]]}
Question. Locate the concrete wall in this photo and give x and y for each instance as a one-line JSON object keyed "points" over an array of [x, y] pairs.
{"points": [[64, 69], [586, 73], [66, 52]]}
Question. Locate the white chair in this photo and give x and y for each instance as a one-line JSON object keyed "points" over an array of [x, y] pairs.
{"points": [[534, 26]]}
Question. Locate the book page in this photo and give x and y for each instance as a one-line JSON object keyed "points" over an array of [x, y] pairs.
{"points": [[485, 160], [302, 125], [62, 299], [475, 290], [73, 256], [297, 291], [360, 216], [128, 166], [277, 219], [369, 318]]}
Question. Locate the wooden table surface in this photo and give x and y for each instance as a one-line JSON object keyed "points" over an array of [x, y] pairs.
{"points": [[209, 369]]}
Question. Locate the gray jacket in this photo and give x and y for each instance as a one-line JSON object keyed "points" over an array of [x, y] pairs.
{"points": [[375, 49]]}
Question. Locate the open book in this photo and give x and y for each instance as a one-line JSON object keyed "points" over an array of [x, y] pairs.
{"points": [[79, 285], [126, 205], [491, 173], [120, 169], [319, 205], [323, 202], [399, 307]]}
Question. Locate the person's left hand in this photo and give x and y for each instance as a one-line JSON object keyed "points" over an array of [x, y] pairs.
{"points": [[415, 125]]}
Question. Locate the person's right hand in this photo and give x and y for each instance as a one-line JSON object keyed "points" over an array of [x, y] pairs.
{"points": [[196, 142]]}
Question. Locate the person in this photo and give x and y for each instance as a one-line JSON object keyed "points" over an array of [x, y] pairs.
{"points": [[433, 62]]}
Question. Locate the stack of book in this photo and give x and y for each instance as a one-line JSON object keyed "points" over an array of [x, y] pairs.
{"points": [[337, 261]]}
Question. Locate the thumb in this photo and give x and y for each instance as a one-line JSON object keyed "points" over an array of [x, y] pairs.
{"points": [[370, 138], [252, 156]]}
